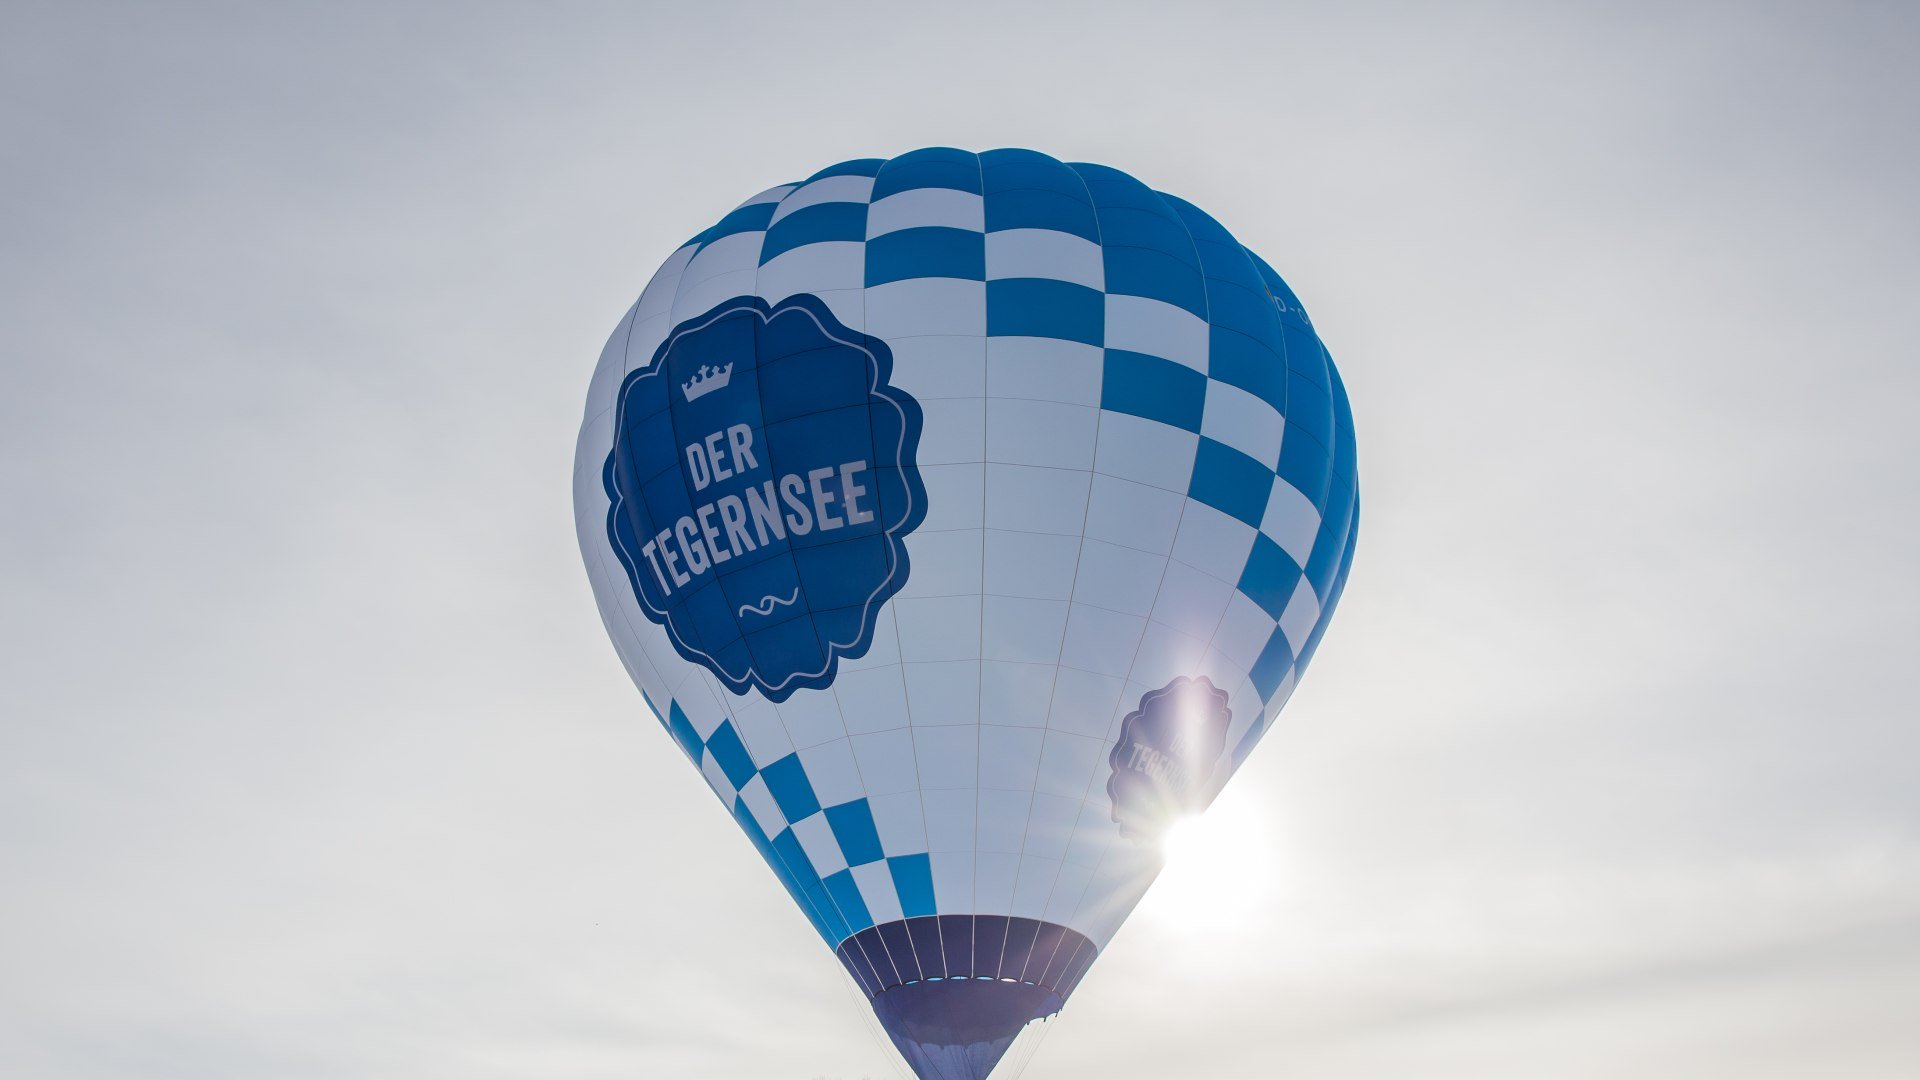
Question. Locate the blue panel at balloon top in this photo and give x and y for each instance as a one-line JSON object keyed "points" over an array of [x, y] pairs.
{"points": [[934, 167], [815, 224], [1157, 275], [776, 467], [1037, 307], [926, 252], [1030, 208]]}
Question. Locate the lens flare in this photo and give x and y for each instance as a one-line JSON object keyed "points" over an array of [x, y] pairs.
{"points": [[1220, 868]]}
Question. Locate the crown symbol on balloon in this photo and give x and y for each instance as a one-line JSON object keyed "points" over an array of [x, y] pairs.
{"points": [[706, 381]]}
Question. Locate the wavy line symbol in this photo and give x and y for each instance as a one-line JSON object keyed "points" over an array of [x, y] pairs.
{"points": [[769, 602]]}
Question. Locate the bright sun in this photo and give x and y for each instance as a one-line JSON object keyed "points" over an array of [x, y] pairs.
{"points": [[1220, 867]]}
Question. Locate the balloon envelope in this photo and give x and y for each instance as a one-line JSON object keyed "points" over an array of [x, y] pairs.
{"points": [[965, 518]]}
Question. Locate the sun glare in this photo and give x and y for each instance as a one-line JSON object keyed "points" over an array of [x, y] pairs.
{"points": [[1221, 866]]}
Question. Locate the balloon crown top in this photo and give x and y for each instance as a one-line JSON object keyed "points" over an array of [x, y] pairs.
{"points": [[706, 381]]}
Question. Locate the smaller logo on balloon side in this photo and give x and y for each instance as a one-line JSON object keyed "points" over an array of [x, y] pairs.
{"points": [[760, 485], [1166, 755]]}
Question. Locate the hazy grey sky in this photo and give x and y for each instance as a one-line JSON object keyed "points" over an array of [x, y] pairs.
{"points": [[316, 765]]}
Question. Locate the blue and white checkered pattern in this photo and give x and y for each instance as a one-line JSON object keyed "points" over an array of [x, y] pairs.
{"points": [[1139, 463]]}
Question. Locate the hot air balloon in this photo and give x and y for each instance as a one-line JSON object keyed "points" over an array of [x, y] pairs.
{"points": [[965, 519]]}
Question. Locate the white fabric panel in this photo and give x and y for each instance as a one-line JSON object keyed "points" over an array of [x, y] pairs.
{"points": [[831, 769], [920, 208], [872, 700], [1291, 521], [1301, 613], [1067, 763], [954, 494], [1045, 253], [945, 563], [1242, 421], [1009, 756], [949, 756], [1213, 542], [813, 268], [1222, 672], [994, 876], [1137, 324], [1026, 498], [607, 376], [1146, 451], [688, 686], [1115, 577], [885, 651], [812, 717], [953, 878], [944, 693], [875, 882], [1133, 515], [1243, 630], [1282, 693], [1191, 601], [847, 305], [766, 812], [935, 367], [1165, 654], [1031, 890], [717, 780], [642, 342], [656, 301], [1050, 825], [1093, 833], [955, 430], [1044, 369], [1048, 433], [703, 710], [1015, 694], [696, 298], [1101, 640], [900, 821], [1083, 702], [950, 820], [886, 763], [1022, 630], [822, 848], [937, 628], [1003, 819], [1030, 564], [722, 269], [923, 306], [761, 730], [1068, 886], [1116, 888], [1247, 708]]}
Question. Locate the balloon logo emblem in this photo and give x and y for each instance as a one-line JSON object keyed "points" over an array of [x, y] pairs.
{"points": [[1166, 754], [792, 474]]}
